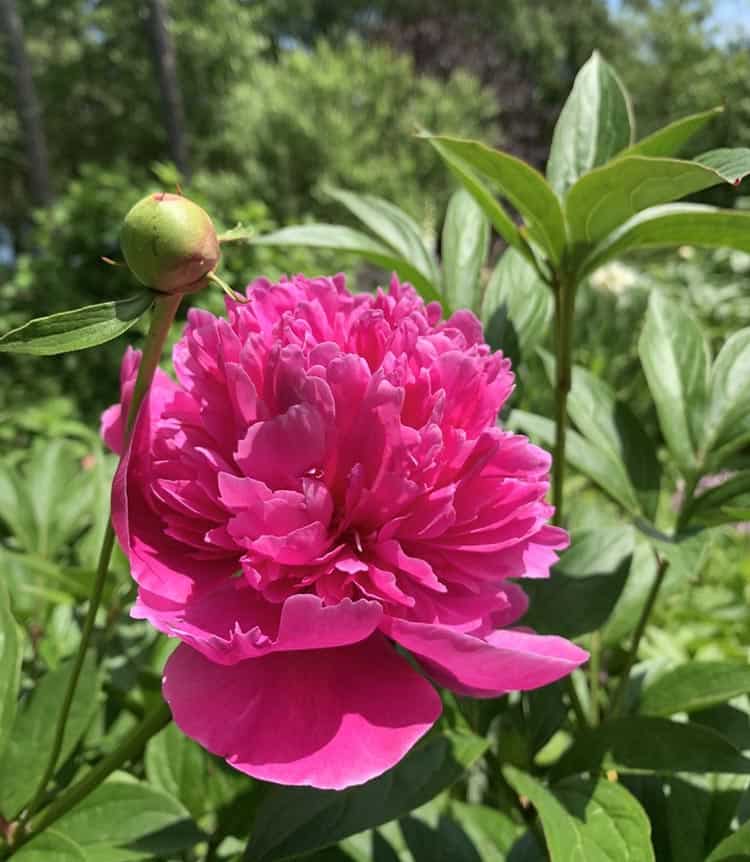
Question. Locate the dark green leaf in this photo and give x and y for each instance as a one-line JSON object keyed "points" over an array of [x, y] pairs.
{"points": [[688, 809], [607, 197], [727, 503], [675, 357], [524, 187], [669, 140], [179, 767], [693, 686], [674, 224], [343, 238], [11, 653], [466, 242], [645, 744], [728, 418], [27, 751], [295, 820], [735, 848], [78, 329], [587, 820], [517, 306], [51, 846], [595, 124]]}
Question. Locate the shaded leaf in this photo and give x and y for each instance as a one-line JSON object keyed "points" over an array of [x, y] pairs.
{"points": [[693, 686], [11, 653], [728, 417], [735, 848], [465, 244]]}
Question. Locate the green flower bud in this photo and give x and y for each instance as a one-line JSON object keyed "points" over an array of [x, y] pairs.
{"points": [[169, 243]]}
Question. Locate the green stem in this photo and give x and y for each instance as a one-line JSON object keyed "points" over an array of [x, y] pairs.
{"points": [[564, 298], [575, 702], [594, 671], [163, 314], [618, 697], [129, 749]]}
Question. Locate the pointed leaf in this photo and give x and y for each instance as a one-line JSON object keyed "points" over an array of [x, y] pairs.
{"points": [[11, 653], [522, 185], [465, 244], [731, 163], [735, 848], [728, 419], [587, 820], [726, 503], [78, 329], [343, 238], [693, 686], [292, 821], [669, 140], [675, 357], [595, 124]]}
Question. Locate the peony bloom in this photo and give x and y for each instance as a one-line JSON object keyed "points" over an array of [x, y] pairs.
{"points": [[326, 482]]}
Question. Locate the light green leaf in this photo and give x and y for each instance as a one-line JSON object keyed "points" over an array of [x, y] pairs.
{"points": [[11, 653], [693, 686], [522, 185], [646, 744], [588, 820], [735, 848], [595, 124], [517, 306], [238, 234], [78, 329], [607, 197], [729, 162], [343, 238], [466, 242], [492, 832], [674, 224], [51, 846], [178, 766], [728, 418], [675, 357], [292, 821], [669, 140], [394, 227], [28, 748]]}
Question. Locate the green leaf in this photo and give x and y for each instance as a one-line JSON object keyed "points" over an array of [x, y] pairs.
{"points": [[728, 417], [522, 185], [393, 226], [587, 820], [674, 224], [465, 244], [27, 751], [688, 809], [675, 357], [516, 308], [607, 197], [646, 744], [346, 239], [492, 832], [51, 846], [727, 503], [735, 848], [78, 329], [595, 124], [501, 221], [178, 766], [292, 821], [11, 653], [599, 466], [731, 163], [238, 234], [670, 139], [129, 814], [693, 686]]}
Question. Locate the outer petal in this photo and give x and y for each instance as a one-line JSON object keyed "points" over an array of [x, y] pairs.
{"points": [[503, 661], [328, 718]]}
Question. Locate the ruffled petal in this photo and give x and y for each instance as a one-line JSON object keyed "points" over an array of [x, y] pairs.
{"points": [[328, 718]]}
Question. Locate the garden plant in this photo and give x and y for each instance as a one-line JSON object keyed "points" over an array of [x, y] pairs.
{"points": [[349, 603]]}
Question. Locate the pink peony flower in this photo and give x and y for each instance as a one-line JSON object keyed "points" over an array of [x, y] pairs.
{"points": [[326, 482]]}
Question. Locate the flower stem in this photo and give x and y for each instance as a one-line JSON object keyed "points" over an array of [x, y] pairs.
{"points": [[564, 298], [130, 748], [163, 314], [594, 671]]}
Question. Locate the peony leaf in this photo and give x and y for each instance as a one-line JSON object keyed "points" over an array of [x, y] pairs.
{"points": [[670, 139], [292, 821], [51, 846], [178, 766], [465, 244], [77, 329], [11, 653], [728, 418], [735, 848], [693, 686], [595, 124]]}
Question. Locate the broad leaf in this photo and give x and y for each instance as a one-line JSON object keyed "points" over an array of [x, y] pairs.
{"points": [[11, 653], [27, 751], [588, 820], [728, 418], [608, 196], [522, 185], [688, 810], [516, 308], [178, 766], [674, 224], [669, 140], [393, 226], [595, 124], [645, 744], [343, 238], [292, 821], [78, 329], [730, 162], [51, 846], [465, 244], [693, 686], [675, 357]]}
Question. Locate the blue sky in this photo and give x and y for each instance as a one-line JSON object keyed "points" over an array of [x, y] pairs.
{"points": [[731, 16]]}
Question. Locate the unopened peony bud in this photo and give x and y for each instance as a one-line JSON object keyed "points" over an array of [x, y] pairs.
{"points": [[169, 243]]}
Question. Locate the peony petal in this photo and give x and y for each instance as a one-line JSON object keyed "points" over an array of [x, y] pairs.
{"points": [[503, 661], [328, 718]]}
